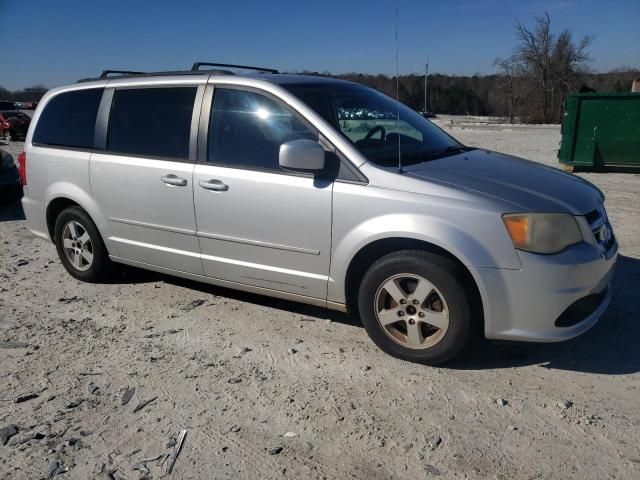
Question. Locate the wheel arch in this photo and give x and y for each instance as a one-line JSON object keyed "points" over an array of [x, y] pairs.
{"points": [[62, 195], [55, 208], [377, 249]]}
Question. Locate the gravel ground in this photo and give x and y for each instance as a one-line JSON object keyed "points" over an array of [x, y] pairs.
{"points": [[99, 380]]}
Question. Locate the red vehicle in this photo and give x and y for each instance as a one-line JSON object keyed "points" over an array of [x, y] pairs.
{"points": [[18, 122], [5, 129]]}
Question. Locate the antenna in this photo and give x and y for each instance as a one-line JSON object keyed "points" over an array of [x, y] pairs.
{"points": [[398, 98], [426, 82]]}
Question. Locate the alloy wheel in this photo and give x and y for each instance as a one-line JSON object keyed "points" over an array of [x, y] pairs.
{"points": [[411, 311], [77, 246]]}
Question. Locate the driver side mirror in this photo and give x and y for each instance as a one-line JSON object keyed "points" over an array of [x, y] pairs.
{"points": [[302, 156]]}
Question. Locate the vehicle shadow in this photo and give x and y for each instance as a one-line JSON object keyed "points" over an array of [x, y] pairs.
{"points": [[11, 212], [632, 169], [610, 347], [132, 275]]}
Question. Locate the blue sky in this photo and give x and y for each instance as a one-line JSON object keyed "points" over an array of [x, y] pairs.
{"points": [[56, 42]]}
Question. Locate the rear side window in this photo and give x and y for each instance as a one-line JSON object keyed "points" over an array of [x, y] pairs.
{"points": [[69, 119], [153, 122]]}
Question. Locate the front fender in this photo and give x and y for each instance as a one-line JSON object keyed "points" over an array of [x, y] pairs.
{"points": [[486, 244]]}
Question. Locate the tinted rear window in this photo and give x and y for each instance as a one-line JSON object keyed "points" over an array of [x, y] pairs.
{"points": [[69, 119], [153, 122]]}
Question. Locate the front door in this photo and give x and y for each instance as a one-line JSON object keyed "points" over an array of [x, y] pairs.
{"points": [[257, 224], [143, 181]]}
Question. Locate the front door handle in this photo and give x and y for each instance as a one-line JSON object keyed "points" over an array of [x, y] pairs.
{"points": [[215, 185], [174, 180]]}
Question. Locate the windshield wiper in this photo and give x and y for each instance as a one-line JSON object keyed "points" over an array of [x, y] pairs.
{"points": [[449, 149], [413, 158], [445, 152]]}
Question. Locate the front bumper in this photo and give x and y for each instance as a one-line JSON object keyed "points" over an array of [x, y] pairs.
{"points": [[525, 304]]}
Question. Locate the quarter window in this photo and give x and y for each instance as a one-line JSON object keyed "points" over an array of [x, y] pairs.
{"points": [[69, 119], [154, 122], [247, 129]]}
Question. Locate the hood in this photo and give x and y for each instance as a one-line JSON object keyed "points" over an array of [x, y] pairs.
{"points": [[528, 185]]}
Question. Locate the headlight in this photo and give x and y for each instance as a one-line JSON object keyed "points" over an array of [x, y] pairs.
{"points": [[542, 232]]}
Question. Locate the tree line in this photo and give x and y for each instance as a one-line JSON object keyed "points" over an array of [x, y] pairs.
{"points": [[517, 100], [530, 87], [30, 94]]}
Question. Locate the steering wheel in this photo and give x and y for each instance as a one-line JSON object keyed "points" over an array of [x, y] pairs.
{"points": [[374, 130]]}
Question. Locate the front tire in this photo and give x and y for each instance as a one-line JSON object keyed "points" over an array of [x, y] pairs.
{"points": [[80, 246], [415, 306]]}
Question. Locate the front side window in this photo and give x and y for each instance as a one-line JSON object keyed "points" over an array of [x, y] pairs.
{"points": [[370, 121], [247, 129], [69, 119], [151, 122]]}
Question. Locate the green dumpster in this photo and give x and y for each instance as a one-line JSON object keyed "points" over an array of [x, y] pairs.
{"points": [[600, 129]]}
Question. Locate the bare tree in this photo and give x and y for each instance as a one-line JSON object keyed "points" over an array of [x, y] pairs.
{"points": [[535, 50], [553, 62], [568, 58], [512, 72]]}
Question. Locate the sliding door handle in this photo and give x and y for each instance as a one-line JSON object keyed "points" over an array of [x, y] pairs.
{"points": [[215, 185], [174, 180]]}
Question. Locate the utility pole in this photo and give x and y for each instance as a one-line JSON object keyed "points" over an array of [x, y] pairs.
{"points": [[426, 83]]}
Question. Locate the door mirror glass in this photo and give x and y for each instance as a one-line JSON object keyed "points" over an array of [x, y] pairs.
{"points": [[302, 156]]}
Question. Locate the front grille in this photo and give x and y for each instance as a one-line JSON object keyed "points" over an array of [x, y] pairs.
{"points": [[600, 226]]}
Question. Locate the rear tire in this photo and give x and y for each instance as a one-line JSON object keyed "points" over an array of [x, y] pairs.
{"points": [[416, 306], [80, 246]]}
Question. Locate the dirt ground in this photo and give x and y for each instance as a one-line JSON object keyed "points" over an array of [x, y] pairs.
{"points": [[271, 389]]}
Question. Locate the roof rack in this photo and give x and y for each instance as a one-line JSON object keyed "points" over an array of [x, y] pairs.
{"points": [[196, 67], [194, 71], [106, 73]]}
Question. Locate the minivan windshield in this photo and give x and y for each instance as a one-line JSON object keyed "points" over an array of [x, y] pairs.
{"points": [[370, 121]]}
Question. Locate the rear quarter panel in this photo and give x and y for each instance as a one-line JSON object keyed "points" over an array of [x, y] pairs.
{"points": [[47, 166], [57, 172], [81, 194]]}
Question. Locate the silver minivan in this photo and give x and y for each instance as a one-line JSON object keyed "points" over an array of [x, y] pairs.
{"points": [[318, 191]]}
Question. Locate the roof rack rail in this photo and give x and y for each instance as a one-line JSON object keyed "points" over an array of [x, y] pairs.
{"points": [[195, 70], [196, 66], [106, 73]]}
